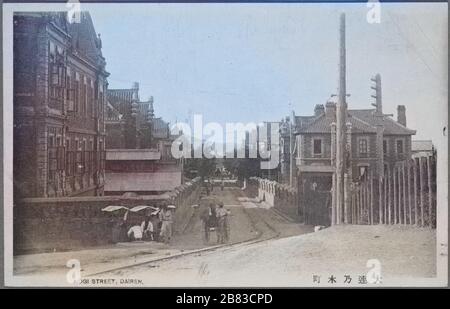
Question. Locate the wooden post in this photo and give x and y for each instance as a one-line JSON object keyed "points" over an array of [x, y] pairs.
{"points": [[395, 195], [400, 215], [371, 198], [361, 214], [416, 211], [385, 197], [358, 207], [366, 199], [333, 200], [430, 192], [422, 188], [404, 192], [389, 197], [361, 209], [408, 166], [380, 200], [346, 199]]}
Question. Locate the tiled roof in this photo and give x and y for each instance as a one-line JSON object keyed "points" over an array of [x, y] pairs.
{"points": [[303, 121], [362, 121], [421, 145], [322, 124], [390, 126], [156, 181]]}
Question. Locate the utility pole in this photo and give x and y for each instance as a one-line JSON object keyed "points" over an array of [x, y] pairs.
{"points": [[341, 114]]}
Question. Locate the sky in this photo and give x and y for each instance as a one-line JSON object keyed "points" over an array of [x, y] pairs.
{"points": [[257, 62]]}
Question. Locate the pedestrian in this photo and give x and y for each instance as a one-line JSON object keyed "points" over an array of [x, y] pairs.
{"points": [[208, 217], [135, 232], [222, 224], [166, 217], [147, 228]]}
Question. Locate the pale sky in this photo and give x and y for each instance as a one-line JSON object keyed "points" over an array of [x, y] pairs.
{"points": [[256, 62]]}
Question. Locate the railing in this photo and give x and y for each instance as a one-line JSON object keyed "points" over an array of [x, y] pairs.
{"points": [[405, 194]]}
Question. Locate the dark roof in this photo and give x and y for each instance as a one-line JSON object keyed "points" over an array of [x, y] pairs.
{"points": [[421, 145], [120, 99], [362, 121], [303, 121], [84, 38], [391, 127], [322, 124]]}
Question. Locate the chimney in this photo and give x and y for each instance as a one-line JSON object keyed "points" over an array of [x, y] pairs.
{"points": [[319, 110], [330, 111], [401, 115]]}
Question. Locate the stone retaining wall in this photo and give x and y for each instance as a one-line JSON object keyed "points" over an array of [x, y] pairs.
{"points": [[283, 197], [56, 224]]}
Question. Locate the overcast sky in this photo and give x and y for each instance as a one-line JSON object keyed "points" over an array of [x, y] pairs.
{"points": [[256, 62]]}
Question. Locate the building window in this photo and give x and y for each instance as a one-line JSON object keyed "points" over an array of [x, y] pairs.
{"points": [[317, 147], [77, 96], [102, 154], [362, 147], [84, 99], [385, 147], [363, 170], [70, 159], [400, 147], [57, 79]]}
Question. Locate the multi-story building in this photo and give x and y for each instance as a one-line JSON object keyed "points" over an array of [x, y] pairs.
{"points": [[131, 123], [138, 155], [374, 144], [59, 96], [375, 141]]}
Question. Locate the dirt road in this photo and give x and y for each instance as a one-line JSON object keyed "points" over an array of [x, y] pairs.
{"points": [[282, 253], [405, 253], [248, 221]]}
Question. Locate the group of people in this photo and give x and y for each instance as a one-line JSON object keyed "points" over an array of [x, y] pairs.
{"points": [[156, 226], [215, 217]]}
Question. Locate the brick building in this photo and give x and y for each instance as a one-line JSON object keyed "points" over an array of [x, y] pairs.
{"points": [[374, 143], [138, 154], [131, 123], [59, 86], [375, 140]]}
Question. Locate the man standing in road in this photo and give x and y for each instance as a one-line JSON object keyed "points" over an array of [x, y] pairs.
{"points": [[222, 224], [166, 217]]}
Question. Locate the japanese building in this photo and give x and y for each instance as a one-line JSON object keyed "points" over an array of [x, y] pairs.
{"points": [[60, 84]]}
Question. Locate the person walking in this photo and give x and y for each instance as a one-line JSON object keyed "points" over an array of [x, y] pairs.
{"points": [[222, 224], [166, 218], [147, 228]]}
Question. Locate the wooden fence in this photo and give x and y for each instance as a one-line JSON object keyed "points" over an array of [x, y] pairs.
{"points": [[406, 194]]}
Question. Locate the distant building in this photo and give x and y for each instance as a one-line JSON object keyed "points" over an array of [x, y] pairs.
{"points": [[131, 123], [138, 155], [141, 171], [422, 148], [60, 84]]}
